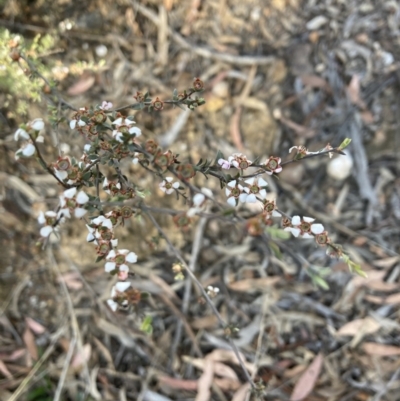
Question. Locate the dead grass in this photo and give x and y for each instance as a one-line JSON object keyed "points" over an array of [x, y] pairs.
{"points": [[278, 74]]}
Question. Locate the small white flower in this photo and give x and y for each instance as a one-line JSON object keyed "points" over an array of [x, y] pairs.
{"points": [[21, 133], [119, 288], [255, 189], [74, 123], [70, 201], [48, 219], [26, 151], [212, 292], [106, 105], [224, 164], [239, 161], [304, 228], [118, 259], [168, 186], [234, 191], [102, 221], [122, 121], [37, 124]]}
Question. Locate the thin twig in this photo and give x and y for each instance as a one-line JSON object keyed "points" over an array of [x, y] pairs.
{"points": [[45, 80], [205, 295]]}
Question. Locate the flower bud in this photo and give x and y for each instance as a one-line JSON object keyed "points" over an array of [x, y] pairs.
{"points": [[158, 104], [198, 84], [185, 171], [151, 146]]}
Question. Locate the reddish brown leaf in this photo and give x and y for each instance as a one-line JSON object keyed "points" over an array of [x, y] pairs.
{"points": [[36, 327], [179, 384], [307, 380], [29, 341], [85, 82], [381, 349]]}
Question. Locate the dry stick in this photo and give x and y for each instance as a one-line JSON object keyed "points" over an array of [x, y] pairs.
{"points": [[76, 337], [202, 51], [17, 393], [45, 165], [205, 295], [188, 285]]}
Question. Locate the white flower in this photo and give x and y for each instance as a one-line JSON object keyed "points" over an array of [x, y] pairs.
{"points": [[26, 151], [304, 228], [224, 164], [74, 123], [48, 219], [122, 121], [212, 292], [103, 222], [106, 105], [119, 136], [168, 186], [234, 191], [255, 189], [37, 124], [118, 288], [239, 161], [118, 259], [111, 187], [21, 133], [70, 201], [199, 201]]}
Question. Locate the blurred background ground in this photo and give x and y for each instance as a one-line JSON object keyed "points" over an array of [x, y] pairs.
{"points": [[278, 73]]}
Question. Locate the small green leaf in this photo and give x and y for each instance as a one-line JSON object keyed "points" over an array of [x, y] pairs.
{"points": [[344, 144], [320, 282], [146, 325], [277, 233], [275, 249]]}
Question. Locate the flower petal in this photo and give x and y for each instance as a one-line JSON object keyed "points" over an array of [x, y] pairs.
{"points": [[111, 254], [232, 201], [21, 133], [37, 124], [110, 266], [317, 228], [131, 257], [28, 150], [122, 286], [70, 193], [112, 304], [82, 198], [41, 219], [80, 212], [296, 220], [46, 231], [198, 199]]}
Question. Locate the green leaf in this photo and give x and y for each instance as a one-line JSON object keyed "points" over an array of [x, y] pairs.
{"points": [[275, 249], [320, 282], [277, 233], [146, 325], [344, 144]]}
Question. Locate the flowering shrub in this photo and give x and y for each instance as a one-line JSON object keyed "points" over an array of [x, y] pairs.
{"points": [[111, 136]]}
